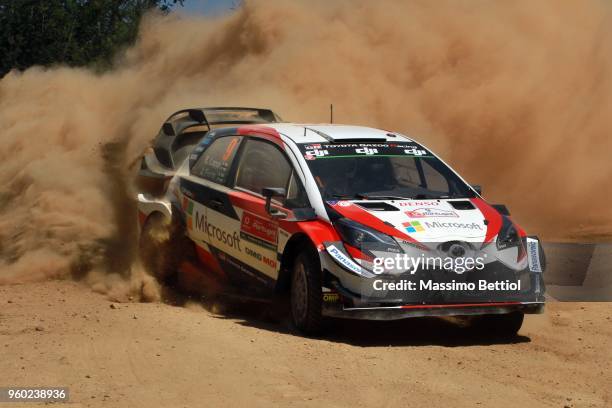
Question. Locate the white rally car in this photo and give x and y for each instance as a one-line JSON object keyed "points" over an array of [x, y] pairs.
{"points": [[352, 221]]}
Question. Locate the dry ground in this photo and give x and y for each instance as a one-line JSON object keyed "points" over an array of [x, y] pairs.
{"points": [[147, 355]]}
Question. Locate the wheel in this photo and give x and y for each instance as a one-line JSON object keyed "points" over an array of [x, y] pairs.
{"points": [[306, 295], [500, 325], [162, 247]]}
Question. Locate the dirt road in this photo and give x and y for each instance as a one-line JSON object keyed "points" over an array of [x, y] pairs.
{"points": [[144, 355]]}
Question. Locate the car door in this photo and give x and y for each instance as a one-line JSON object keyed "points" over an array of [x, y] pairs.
{"points": [[206, 202], [260, 163]]}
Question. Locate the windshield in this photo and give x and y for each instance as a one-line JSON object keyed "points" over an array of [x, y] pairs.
{"points": [[381, 171]]}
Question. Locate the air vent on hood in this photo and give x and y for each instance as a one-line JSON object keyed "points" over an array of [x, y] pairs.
{"points": [[377, 206], [462, 205]]}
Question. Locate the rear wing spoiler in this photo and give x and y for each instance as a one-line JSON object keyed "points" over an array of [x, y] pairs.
{"points": [[186, 118], [172, 134]]}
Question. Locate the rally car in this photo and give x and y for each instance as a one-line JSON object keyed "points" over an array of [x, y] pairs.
{"points": [[257, 206]]}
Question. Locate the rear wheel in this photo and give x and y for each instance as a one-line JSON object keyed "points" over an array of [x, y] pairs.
{"points": [[306, 298], [500, 325], [163, 246]]}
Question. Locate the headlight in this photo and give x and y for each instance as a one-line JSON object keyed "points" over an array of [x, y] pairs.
{"points": [[508, 235], [364, 238]]}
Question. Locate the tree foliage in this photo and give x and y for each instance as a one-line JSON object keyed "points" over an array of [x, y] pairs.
{"points": [[73, 32]]}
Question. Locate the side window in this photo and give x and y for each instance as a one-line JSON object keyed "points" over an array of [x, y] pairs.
{"points": [[215, 163], [262, 165]]}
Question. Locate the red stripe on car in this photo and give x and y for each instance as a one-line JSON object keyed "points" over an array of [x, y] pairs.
{"points": [[494, 219], [356, 253], [248, 202], [319, 231], [256, 205], [264, 132], [356, 213]]}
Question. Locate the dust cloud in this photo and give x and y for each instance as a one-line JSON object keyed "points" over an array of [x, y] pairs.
{"points": [[514, 95]]}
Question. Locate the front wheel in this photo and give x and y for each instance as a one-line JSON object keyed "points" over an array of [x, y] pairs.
{"points": [[500, 325], [306, 295]]}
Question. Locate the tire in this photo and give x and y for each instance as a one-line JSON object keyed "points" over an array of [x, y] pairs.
{"points": [[500, 325], [306, 294], [162, 247]]}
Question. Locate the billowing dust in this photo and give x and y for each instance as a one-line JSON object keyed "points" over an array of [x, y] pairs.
{"points": [[514, 95]]}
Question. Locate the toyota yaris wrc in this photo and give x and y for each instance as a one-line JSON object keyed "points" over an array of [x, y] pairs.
{"points": [[351, 221]]}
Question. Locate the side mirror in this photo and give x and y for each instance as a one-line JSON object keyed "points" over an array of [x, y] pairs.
{"points": [[477, 188], [269, 193]]}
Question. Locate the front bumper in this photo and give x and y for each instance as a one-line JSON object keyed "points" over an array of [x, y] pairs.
{"points": [[430, 310], [349, 295]]}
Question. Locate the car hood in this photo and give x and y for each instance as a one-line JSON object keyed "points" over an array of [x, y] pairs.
{"points": [[440, 220]]}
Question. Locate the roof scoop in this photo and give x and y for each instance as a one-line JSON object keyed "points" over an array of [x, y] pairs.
{"points": [[348, 134], [377, 206], [462, 205]]}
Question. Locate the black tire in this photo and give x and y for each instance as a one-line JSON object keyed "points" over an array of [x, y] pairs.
{"points": [[306, 294], [163, 246], [500, 325]]}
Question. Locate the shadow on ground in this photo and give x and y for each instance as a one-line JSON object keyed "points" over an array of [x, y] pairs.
{"points": [[274, 316]]}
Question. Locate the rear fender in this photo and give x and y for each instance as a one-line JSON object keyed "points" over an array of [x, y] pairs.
{"points": [[148, 205]]}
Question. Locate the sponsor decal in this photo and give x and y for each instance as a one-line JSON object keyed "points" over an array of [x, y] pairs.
{"points": [[416, 226], [430, 212], [331, 297], [258, 230], [343, 259], [415, 151], [313, 154], [313, 146], [417, 203], [366, 150], [533, 251], [461, 225], [351, 145], [198, 222], [188, 208], [413, 226], [261, 258]]}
